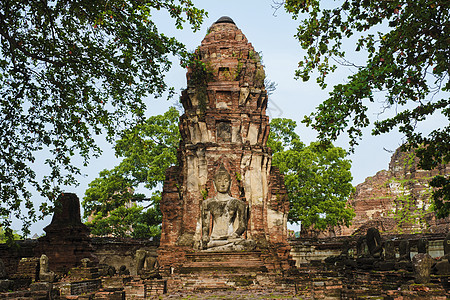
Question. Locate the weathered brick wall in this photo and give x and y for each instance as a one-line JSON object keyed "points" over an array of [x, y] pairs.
{"points": [[12, 255], [403, 189], [28, 268], [111, 251], [85, 286], [354, 278], [117, 252]]}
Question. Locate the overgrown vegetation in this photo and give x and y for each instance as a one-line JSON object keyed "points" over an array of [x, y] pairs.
{"points": [[406, 211], [5, 236], [201, 74]]}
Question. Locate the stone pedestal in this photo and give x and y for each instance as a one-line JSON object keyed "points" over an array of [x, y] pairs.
{"points": [[217, 271]]}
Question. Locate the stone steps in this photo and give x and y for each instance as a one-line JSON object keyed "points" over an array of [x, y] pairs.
{"points": [[226, 271], [223, 256], [219, 279], [223, 262], [223, 269], [221, 282]]}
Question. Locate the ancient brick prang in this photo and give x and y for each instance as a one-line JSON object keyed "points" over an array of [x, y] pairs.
{"points": [[397, 200], [224, 125]]}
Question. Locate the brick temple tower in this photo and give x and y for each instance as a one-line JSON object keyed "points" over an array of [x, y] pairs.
{"points": [[224, 125]]}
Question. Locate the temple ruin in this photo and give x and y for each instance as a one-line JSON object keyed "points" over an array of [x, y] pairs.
{"points": [[397, 200], [225, 209]]}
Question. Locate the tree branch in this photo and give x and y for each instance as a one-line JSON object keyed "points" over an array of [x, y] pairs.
{"points": [[15, 45]]}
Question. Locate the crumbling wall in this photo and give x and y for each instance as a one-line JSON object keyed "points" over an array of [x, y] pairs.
{"points": [[117, 252], [11, 255], [113, 252], [313, 250]]}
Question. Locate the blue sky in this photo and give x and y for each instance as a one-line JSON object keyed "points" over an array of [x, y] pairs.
{"points": [[272, 33]]}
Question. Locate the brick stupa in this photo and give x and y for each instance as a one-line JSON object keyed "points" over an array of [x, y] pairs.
{"points": [[67, 240], [224, 126]]}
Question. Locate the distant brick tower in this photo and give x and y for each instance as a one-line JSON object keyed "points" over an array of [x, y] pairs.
{"points": [[224, 126]]}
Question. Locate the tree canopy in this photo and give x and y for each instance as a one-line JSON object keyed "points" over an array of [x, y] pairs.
{"points": [[317, 177], [406, 46], [70, 70], [111, 204]]}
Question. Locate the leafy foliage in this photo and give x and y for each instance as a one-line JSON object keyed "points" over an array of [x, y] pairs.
{"points": [[201, 74], [441, 196], [317, 177], [406, 211], [70, 70], [406, 46], [127, 221], [111, 203], [5, 236]]}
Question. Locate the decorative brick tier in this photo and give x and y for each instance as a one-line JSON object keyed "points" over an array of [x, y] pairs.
{"points": [[232, 262]]}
